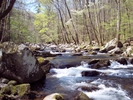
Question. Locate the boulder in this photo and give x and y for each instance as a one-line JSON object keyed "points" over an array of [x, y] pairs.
{"points": [[94, 61], [122, 61], [99, 63], [90, 73], [112, 44], [22, 67], [12, 91], [116, 50], [54, 96], [127, 52]]}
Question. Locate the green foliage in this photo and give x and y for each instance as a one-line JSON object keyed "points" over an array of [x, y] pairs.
{"points": [[46, 25], [20, 28]]}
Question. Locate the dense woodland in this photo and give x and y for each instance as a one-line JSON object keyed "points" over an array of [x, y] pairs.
{"points": [[65, 21]]}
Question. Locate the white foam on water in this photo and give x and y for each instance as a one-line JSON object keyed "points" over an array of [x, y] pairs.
{"points": [[113, 70], [115, 64], [104, 92], [71, 72], [108, 93]]}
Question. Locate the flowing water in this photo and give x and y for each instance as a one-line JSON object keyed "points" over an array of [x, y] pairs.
{"points": [[115, 84]]}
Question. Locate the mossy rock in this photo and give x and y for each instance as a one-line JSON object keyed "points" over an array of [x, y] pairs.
{"points": [[21, 89], [42, 61], [6, 90], [12, 82]]}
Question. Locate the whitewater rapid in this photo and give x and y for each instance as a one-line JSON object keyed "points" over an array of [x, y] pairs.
{"points": [[108, 89]]}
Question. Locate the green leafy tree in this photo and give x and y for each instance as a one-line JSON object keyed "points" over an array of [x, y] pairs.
{"points": [[46, 25]]}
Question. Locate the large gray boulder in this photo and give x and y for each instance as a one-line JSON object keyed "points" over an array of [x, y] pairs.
{"points": [[21, 66]]}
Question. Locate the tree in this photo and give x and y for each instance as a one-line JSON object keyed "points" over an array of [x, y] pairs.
{"points": [[5, 7], [118, 19], [8, 7]]}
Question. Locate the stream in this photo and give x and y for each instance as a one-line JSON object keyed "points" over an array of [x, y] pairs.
{"points": [[115, 84]]}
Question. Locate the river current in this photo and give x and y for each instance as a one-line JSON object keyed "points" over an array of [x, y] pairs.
{"points": [[115, 82]]}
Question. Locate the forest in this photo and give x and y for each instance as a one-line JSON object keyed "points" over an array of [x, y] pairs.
{"points": [[66, 49], [65, 21]]}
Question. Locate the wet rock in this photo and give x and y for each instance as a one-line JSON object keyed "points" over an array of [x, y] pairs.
{"points": [[89, 88], [98, 63], [94, 61], [81, 96], [76, 54], [122, 61], [46, 68], [54, 96], [90, 73], [131, 60], [120, 45]]}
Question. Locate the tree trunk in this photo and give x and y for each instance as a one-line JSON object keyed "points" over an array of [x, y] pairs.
{"points": [[90, 19], [76, 33], [118, 19], [9, 8]]}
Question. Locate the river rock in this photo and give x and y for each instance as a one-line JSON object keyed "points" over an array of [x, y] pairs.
{"points": [[122, 61], [127, 52], [22, 67], [112, 44], [88, 88], [116, 50], [131, 60], [94, 61], [90, 73], [99, 63], [54, 96], [12, 92], [81, 96]]}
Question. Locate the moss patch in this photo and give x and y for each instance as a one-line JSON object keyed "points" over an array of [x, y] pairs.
{"points": [[20, 90]]}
